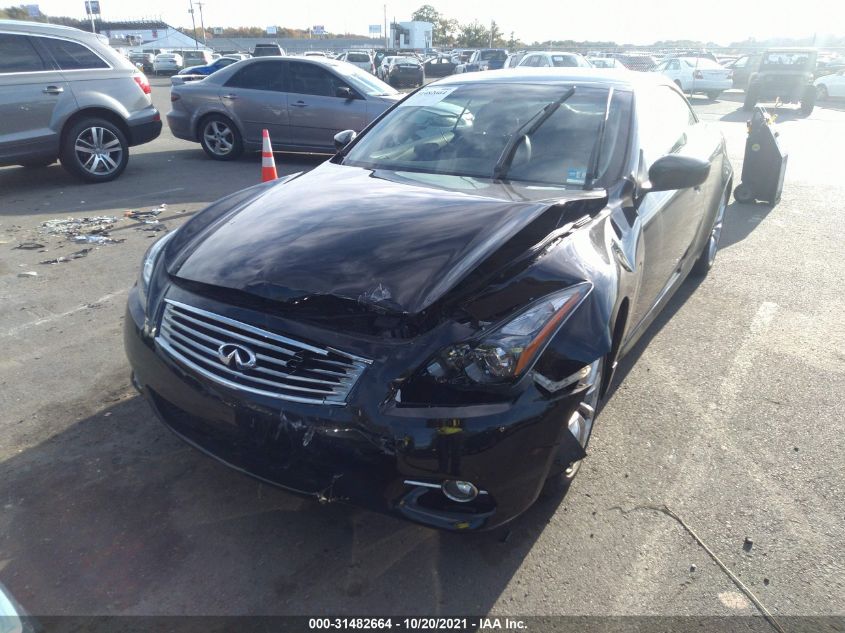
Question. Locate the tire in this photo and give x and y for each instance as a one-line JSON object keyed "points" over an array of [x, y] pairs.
{"points": [[713, 94], [220, 138], [562, 474], [750, 100], [743, 193], [822, 93], [94, 150], [705, 260], [808, 103]]}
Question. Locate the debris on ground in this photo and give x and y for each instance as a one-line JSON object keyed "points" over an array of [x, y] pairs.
{"points": [[66, 258], [28, 273], [96, 239], [137, 214], [748, 544], [71, 227], [692, 568], [29, 246]]}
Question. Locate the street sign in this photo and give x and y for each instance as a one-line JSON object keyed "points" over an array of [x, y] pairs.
{"points": [[318, 29], [271, 30], [92, 7], [33, 11], [375, 30]]}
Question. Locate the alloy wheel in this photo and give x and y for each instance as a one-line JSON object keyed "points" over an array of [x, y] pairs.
{"points": [[98, 150], [219, 138]]}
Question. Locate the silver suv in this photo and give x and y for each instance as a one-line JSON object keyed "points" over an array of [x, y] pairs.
{"points": [[66, 94]]}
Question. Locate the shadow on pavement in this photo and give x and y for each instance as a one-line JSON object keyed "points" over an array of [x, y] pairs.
{"points": [[740, 221], [183, 176], [115, 515]]}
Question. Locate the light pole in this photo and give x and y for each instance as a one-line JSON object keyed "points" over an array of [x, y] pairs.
{"points": [[202, 22], [193, 22]]}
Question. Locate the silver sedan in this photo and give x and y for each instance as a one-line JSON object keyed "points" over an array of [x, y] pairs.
{"points": [[303, 102]]}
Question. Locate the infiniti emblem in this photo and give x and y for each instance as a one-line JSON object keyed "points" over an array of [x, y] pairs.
{"points": [[236, 356]]}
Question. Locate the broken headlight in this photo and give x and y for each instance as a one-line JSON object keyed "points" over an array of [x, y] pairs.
{"points": [[508, 350], [149, 264]]}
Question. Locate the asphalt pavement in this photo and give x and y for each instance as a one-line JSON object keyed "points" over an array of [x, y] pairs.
{"points": [[729, 413]]}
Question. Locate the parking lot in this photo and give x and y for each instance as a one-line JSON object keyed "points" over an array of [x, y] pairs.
{"points": [[730, 412]]}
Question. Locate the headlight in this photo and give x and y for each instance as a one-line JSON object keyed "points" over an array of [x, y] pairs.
{"points": [[508, 350], [149, 264]]}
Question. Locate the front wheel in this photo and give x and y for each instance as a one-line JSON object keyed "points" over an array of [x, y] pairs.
{"points": [[750, 100], [94, 150], [580, 424], [808, 102], [705, 260]]}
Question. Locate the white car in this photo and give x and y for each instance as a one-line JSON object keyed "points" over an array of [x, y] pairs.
{"points": [[830, 86], [697, 75], [554, 58], [167, 63], [361, 59], [606, 62]]}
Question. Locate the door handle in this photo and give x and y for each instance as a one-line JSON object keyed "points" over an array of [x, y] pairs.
{"points": [[299, 104], [53, 90], [232, 97]]}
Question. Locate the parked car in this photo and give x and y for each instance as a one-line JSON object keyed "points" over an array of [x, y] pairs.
{"points": [[513, 59], [382, 69], [267, 50], [742, 67], [697, 75], [484, 59], [438, 66], [783, 74], [361, 59], [303, 102], [606, 62], [559, 59], [195, 57], [66, 94], [167, 64], [830, 86], [145, 60], [426, 324], [314, 54], [405, 71], [214, 66]]}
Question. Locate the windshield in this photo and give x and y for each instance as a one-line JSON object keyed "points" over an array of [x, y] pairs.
{"points": [[493, 55], [463, 130], [794, 61], [367, 83], [571, 61], [702, 62], [357, 57]]}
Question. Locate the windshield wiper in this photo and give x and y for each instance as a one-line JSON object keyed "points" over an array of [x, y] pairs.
{"points": [[529, 127], [595, 154]]}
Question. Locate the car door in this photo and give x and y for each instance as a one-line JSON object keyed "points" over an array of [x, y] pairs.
{"points": [[836, 84], [315, 111], [33, 96], [671, 220], [255, 99], [740, 72]]}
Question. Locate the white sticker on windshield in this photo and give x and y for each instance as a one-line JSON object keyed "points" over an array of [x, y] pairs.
{"points": [[428, 96]]}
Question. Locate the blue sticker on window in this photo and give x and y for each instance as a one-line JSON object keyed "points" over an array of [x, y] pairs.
{"points": [[576, 176]]}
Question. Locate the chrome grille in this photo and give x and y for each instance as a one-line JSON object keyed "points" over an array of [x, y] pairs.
{"points": [[279, 367]]}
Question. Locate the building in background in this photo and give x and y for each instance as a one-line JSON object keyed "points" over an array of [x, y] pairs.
{"points": [[411, 35]]}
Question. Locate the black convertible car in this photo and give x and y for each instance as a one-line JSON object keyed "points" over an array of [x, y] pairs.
{"points": [[426, 323]]}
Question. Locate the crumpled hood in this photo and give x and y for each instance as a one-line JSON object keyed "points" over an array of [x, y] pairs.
{"points": [[347, 232]]}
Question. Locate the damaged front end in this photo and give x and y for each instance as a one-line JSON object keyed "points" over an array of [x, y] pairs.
{"points": [[437, 388]]}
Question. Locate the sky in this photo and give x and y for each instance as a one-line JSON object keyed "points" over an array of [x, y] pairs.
{"points": [[622, 21]]}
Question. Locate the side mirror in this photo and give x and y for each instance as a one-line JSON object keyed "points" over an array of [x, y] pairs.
{"points": [[344, 92], [342, 139], [677, 172]]}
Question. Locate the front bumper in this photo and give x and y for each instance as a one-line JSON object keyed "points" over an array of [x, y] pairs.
{"points": [[371, 452]]}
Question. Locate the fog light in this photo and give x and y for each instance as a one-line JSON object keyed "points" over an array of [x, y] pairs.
{"points": [[460, 491]]}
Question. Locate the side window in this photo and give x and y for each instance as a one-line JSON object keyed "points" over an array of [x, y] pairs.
{"points": [[742, 62], [18, 55], [674, 65], [311, 79], [72, 56], [259, 76], [665, 119], [662, 66]]}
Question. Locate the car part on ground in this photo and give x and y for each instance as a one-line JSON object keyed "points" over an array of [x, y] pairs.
{"points": [[431, 335], [64, 93], [764, 165]]}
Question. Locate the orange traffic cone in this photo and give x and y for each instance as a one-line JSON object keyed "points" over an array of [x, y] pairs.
{"points": [[268, 164]]}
